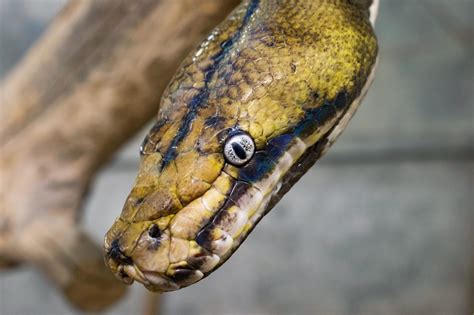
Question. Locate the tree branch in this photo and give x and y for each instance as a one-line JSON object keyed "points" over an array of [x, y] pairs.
{"points": [[92, 80]]}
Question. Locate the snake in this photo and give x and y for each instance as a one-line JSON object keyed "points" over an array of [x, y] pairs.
{"points": [[247, 113]]}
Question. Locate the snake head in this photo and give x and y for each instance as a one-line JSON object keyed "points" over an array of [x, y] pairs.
{"points": [[243, 119], [150, 241]]}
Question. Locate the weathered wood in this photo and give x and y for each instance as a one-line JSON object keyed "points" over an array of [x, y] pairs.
{"points": [[91, 82]]}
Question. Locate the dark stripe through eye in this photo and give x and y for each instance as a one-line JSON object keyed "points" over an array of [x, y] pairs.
{"points": [[239, 151], [154, 231]]}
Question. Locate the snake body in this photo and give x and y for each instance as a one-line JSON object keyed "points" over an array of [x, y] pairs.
{"points": [[287, 73]]}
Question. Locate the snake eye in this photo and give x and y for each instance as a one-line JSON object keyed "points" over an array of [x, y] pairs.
{"points": [[239, 148]]}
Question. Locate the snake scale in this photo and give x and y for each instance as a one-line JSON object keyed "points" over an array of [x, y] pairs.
{"points": [[249, 111]]}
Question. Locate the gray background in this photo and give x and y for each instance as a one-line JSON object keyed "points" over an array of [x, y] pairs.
{"points": [[383, 224]]}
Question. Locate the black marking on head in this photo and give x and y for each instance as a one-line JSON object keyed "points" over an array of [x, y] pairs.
{"points": [[315, 117], [324, 113], [340, 102], [204, 237], [155, 129], [197, 262], [203, 95], [214, 121], [186, 124], [225, 218], [116, 254], [258, 167], [181, 274], [222, 216], [281, 142]]}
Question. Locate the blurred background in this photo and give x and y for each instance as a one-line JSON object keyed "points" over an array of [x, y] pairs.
{"points": [[383, 224]]}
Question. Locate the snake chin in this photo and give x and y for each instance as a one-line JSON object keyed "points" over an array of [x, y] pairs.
{"points": [[157, 282], [154, 281]]}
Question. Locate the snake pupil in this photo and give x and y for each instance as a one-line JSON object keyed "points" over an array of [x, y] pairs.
{"points": [[154, 231], [239, 151], [239, 148]]}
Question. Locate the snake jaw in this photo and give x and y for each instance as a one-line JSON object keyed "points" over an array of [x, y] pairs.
{"points": [[154, 281]]}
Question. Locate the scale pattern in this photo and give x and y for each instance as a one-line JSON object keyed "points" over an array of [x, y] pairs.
{"points": [[285, 72]]}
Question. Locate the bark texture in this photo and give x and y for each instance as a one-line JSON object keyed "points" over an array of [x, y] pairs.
{"points": [[92, 80]]}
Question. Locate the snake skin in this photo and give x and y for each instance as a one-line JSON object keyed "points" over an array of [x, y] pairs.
{"points": [[288, 72]]}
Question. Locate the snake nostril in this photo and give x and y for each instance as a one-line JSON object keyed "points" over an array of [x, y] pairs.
{"points": [[154, 231], [123, 274], [116, 254]]}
